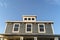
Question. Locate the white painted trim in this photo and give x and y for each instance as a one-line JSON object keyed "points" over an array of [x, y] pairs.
{"points": [[39, 28], [52, 28], [29, 15], [18, 28], [26, 28], [32, 21]]}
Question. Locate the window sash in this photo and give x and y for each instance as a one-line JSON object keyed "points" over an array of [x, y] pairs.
{"points": [[28, 28], [16, 27], [41, 28]]}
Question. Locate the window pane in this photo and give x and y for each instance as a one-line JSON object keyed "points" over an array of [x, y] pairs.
{"points": [[28, 27], [29, 18], [25, 18], [32, 18], [41, 27], [16, 27]]}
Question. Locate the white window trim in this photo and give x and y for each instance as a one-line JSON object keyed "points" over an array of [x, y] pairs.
{"points": [[26, 28], [39, 28], [18, 28]]}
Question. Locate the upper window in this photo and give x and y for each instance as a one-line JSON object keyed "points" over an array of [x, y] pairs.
{"points": [[41, 28], [29, 18], [32, 18], [25, 18], [28, 28], [16, 27]]}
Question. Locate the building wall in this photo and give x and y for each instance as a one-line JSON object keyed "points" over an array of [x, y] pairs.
{"points": [[48, 29]]}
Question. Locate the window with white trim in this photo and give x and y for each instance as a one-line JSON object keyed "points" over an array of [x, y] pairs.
{"points": [[25, 18], [29, 18], [28, 28], [16, 27], [41, 28], [33, 19]]}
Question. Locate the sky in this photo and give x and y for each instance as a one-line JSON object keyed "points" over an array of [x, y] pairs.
{"points": [[44, 9]]}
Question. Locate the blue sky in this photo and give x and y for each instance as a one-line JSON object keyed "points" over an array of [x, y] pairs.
{"points": [[44, 9]]}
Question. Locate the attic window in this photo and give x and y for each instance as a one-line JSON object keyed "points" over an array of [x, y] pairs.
{"points": [[28, 28], [16, 27], [41, 28], [32, 18], [29, 18], [25, 18]]}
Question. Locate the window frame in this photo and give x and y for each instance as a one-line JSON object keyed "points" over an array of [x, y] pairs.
{"points": [[33, 18], [39, 28], [14, 27], [26, 28], [25, 18], [29, 19]]}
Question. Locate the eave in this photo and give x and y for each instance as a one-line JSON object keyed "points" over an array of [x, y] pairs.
{"points": [[30, 21]]}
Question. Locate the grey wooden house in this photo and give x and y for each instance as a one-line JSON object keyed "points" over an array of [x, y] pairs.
{"points": [[29, 29]]}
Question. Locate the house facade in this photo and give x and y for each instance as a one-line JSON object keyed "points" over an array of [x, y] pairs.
{"points": [[29, 29]]}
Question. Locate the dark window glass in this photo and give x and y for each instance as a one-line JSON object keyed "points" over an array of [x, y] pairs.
{"points": [[29, 18], [32, 18], [28, 27], [25, 18], [51, 38], [16, 27], [41, 27]]}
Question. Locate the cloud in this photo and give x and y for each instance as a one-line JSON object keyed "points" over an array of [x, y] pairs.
{"points": [[3, 3], [53, 1]]}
